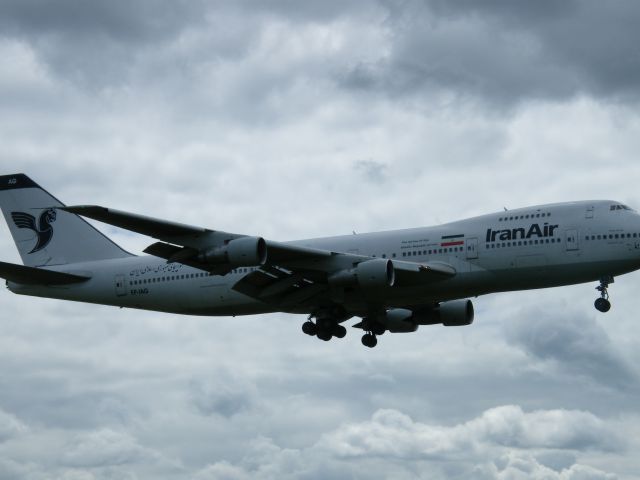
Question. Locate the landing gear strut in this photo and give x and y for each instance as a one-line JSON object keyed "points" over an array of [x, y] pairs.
{"points": [[603, 304]]}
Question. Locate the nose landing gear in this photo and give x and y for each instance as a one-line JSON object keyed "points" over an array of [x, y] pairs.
{"points": [[372, 329], [603, 304]]}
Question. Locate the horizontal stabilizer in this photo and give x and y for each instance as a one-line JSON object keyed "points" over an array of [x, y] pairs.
{"points": [[37, 276]]}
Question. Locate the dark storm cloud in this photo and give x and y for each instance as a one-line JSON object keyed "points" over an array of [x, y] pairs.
{"points": [[122, 21], [95, 44], [505, 52], [576, 343], [497, 52]]}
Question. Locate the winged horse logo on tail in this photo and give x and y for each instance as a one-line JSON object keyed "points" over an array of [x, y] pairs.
{"points": [[44, 230]]}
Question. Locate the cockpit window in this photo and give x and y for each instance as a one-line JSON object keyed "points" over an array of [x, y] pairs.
{"points": [[620, 207]]}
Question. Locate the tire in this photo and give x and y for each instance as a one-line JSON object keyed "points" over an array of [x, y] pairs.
{"points": [[324, 335], [310, 328], [602, 305], [369, 340], [339, 331]]}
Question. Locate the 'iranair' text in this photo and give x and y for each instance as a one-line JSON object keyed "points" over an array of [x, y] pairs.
{"points": [[534, 231]]}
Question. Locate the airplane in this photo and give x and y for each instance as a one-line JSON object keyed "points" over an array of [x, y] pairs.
{"points": [[392, 281]]}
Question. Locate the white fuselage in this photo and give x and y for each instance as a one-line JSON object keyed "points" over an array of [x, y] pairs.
{"points": [[528, 248]]}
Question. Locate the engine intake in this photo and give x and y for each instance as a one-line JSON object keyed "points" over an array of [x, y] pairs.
{"points": [[240, 252]]}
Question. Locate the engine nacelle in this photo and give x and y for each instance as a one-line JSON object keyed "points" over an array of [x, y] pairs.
{"points": [[455, 313], [240, 252], [374, 273], [399, 320]]}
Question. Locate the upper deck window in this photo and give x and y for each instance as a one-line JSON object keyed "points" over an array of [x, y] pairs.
{"points": [[620, 207]]}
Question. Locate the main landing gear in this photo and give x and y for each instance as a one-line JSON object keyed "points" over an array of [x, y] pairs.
{"points": [[603, 304], [325, 328]]}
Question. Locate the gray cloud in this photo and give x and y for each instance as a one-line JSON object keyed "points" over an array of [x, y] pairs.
{"points": [[393, 434], [575, 343], [103, 448], [501, 53], [10, 426], [504, 53], [390, 440], [371, 170], [222, 396]]}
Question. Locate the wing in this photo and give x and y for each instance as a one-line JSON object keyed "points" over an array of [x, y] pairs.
{"points": [[24, 220], [289, 274]]}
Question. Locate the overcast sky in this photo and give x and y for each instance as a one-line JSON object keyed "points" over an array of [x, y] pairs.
{"points": [[295, 119]]}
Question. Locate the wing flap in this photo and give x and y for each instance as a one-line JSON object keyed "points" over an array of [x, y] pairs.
{"points": [[37, 276], [278, 286]]}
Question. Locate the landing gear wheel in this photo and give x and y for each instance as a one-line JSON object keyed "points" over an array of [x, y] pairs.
{"points": [[339, 331], [310, 328], [602, 305], [369, 340], [324, 335]]}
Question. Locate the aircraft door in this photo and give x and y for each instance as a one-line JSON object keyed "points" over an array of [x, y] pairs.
{"points": [[472, 248], [121, 286], [572, 240]]}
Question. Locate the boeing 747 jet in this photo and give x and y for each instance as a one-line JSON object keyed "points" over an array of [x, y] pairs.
{"points": [[392, 281]]}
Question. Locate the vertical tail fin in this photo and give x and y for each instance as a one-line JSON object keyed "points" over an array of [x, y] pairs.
{"points": [[46, 235]]}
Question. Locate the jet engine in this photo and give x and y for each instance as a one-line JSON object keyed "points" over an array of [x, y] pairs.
{"points": [[240, 252], [401, 320], [455, 313], [374, 273]]}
